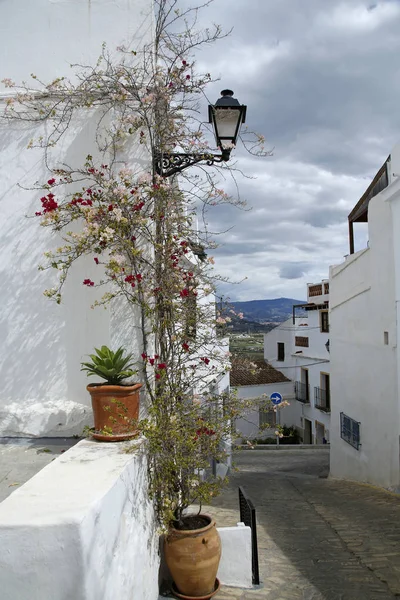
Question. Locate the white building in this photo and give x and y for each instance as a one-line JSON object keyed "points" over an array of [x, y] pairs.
{"points": [[299, 348], [255, 384], [43, 392], [365, 295]]}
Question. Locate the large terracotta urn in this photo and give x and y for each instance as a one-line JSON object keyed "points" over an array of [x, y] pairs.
{"points": [[115, 411], [193, 556]]}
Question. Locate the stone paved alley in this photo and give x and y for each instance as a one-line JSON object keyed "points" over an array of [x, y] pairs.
{"points": [[318, 539]]}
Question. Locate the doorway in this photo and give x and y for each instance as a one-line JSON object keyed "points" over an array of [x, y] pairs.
{"points": [[319, 432], [307, 437]]}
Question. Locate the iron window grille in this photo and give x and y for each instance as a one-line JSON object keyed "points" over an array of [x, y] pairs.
{"points": [[302, 392], [350, 431], [322, 399], [281, 351], [301, 341]]}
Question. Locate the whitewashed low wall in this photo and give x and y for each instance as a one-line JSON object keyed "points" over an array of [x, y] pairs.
{"points": [[235, 567], [81, 529]]}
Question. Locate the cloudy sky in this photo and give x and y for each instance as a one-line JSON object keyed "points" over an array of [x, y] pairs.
{"points": [[321, 79]]}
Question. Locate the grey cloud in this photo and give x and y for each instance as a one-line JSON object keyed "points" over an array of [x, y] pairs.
{"points": [[293, 270], [321, 81]]}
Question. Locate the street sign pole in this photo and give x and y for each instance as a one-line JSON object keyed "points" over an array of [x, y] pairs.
{"points": [[276, 399], [277, 422]]}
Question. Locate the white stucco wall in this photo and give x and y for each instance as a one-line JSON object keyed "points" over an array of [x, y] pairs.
{"points": [[364, 383], [82, 528], [43, 392], [249, 426], [315, 359]]}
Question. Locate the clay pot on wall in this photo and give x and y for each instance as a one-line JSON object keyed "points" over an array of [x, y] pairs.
{"points": [[193, 556], [115, 410]]}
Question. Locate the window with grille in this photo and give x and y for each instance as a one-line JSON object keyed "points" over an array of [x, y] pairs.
{"points": [[315, 290], [350, 431], [301, 341], [324, 320], [267, 417], [281, 351]]}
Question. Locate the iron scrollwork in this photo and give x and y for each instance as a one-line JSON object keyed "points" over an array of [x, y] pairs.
{"points": [[168, 164]]}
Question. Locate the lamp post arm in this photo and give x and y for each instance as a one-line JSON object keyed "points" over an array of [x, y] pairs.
{"points": [[169, 163]]}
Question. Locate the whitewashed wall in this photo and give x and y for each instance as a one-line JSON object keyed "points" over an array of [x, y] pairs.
{"points": [[248, 427], [315, 358], [43, 391], [364, 293], [82, 529]]}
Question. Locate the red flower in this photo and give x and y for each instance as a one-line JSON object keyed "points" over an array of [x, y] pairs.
{"points": [[38, 214], [205, 360], [156, 356], [184, 293], [139, 277], [158, 376], [89, 191], [51, 181], [48, 203], [187, 77], [161, 366], [185, 347], [130, 278], [96, 260], [88, 282], [151, 361], [144, 355], [110, 207]]}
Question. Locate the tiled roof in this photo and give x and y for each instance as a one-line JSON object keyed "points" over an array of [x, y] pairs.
{"points": [[243, 374]]}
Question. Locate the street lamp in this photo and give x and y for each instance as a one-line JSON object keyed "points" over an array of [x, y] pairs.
{"points": [[226, 118]]}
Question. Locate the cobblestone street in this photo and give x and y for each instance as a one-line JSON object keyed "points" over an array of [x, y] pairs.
{"points": [[318, 539]]}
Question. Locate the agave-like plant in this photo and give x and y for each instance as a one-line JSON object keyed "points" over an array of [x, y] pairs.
{"points": [[114, 367]]}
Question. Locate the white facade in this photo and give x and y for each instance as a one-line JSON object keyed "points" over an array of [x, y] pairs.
{"points": [[248, 427], [43, 391], [365, 295], [304, 358]]}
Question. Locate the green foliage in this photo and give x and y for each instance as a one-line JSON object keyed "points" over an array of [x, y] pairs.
{"points": [[114, 367]]}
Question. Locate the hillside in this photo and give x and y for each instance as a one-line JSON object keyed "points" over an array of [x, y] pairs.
{"points": [[266, 311]]}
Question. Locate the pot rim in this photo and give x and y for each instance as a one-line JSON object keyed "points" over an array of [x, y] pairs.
{"points": [[105, 387], [182, 532]]}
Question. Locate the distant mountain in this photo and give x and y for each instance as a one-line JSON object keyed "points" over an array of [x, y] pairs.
{"points": [[266, 311]]}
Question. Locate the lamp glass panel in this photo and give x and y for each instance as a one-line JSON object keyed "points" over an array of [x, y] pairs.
{"points": [[226, 122]]}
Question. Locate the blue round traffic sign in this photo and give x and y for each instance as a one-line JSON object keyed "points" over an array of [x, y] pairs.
{"points": [[276, 398]]}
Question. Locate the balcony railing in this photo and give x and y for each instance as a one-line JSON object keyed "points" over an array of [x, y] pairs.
{"points": [[322, 399], [302, 392]]}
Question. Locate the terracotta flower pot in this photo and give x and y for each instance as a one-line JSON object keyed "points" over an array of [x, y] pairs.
{"points": [[115, 408], [193, 557]]}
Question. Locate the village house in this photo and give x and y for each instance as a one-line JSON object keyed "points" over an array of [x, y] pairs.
{"points": [[364, 315], [299, 348]]}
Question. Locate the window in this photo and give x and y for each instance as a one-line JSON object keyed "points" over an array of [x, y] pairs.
{"points": [[324, 321], [386, 338], [267, 416], [315, 290], [281, 351], [350, 431], [301, 341], [326, 288]]}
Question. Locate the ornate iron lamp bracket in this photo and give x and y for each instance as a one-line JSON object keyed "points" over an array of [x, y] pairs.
{"points": [[169, 163]]}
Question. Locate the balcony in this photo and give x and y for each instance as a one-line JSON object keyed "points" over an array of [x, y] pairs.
{"points": [[302, 392], [322, 399]]}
